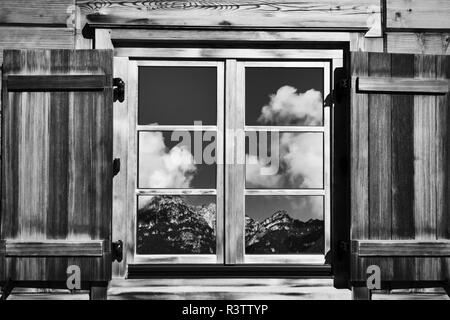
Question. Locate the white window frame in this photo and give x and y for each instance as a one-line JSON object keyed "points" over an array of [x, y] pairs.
{"points": [[218, 191], [228, 61], [324, 129]]}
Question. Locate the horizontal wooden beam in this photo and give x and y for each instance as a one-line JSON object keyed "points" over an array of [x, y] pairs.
{"points": [[120, 36], [331, 15], [227, 53], [403, 85], [418, 43], [401, 248], [418, 14], [36, 12], [54, 248], [55, 82]]}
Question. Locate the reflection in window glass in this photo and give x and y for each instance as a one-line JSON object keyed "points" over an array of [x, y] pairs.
{"points": [[177, 95], [176, 225], [177, 160], [284, 96], [284, 225], [296, 162]]}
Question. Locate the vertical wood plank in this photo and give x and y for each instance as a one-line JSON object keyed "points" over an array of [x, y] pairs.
{"points": [[129, 242], [426, 154], [234, 178], [443, 188], [402, 133], [380, 152], [120, 146], [359, 151], [443, 121]]}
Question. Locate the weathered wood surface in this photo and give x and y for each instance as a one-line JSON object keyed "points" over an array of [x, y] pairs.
{"points": [[418, 43], [405, 85], [418, 14], [123, 36], [57, 162], [35, 38], [400, 171], [407, 248], [52, 248], [56, 82], [37, 12], [322, 14], [227, 289]]}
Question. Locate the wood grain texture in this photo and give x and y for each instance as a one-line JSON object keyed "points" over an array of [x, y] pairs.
{"points": [[408, 181], [359, 151], [35, 38], [418, 43], [402, 148], [406, 248], [120, 150], [379, 151], [443, 105], [56, 82], [36, 12], [403, 85], [53, 248], [57, 169], [234, 169], [380, 196], [417, 14], [426, 154], [123, 36], [323, 14]]}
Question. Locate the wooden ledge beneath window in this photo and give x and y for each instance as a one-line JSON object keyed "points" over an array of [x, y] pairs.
{"points": [[54, 248], [401, 248], [148, 271]]}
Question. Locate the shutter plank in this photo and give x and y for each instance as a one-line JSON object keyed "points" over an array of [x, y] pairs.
{"points": [[57, 172], [359, 152], [402, 133], [380, 210], [426, 155]]}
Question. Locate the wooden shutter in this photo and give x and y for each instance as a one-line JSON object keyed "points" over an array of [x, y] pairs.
{"points": [[57, 165], [400, 168]]}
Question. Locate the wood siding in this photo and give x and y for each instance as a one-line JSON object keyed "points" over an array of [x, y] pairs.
{"points": [[400, 170], [418, 14], [321, 14], [57, 162]]}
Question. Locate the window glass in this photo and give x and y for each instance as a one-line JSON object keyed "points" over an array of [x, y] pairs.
{"points": [[284, 225], [171, 95], [173, 224]]}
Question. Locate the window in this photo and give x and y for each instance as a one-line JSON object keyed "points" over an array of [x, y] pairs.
{"points": [[232, 160]]}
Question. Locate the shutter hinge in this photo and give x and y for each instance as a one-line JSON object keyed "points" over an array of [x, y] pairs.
{"points": [[117, 251], [116, 166], [341, 89], [344, 247], [118, 90]]}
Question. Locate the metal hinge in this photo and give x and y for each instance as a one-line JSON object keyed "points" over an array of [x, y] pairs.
{"points": [[342, 85], [117, 251], [118, 90], [116, 166]]}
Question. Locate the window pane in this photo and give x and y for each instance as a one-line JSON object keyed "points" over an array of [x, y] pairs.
{"points": [[177, 95], [177, 159], [285, 160], [284, 96], [176, 225], [284, 225]]}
